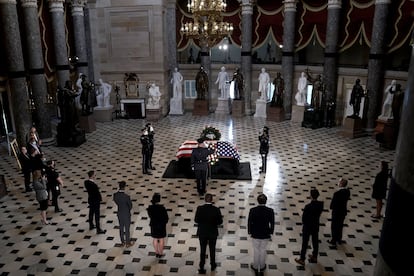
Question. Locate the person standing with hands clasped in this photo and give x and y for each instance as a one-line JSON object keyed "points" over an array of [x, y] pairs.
{"points": [[208, 217], [264, 147], [94, 200], [146, 151], [123, 201], [379, 189], [158, 221], [199, 164], [310, 227], [339, 210], [260, 226]]}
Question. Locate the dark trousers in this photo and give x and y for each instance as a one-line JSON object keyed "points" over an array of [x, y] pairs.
{"points": [[201, 178], [305, 240], [203, 247], [337, 225], [55, 198], [145, 162], [94, 210], [124, 233], [26, 176], [264, 161]]}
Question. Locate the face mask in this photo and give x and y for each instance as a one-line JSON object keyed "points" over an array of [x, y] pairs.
{"points": [[145, 132]]}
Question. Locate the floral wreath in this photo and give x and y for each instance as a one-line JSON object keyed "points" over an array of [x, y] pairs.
{"points": [[210, 133]]}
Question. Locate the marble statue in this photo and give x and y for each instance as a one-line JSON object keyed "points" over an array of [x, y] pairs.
{"points": [[154, 97], [177, 82], [389, 92], [300, 96], [222, 79], [79, 90], [264, 80], [104, 94]]}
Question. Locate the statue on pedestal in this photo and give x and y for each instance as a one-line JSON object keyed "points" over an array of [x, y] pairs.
{"points": [[222, 79], [177, 82], [356, 97], [279, 83], [238, 84], [318, 90], [154, 97], [389, 93], [264, 80], [88, 97], [201, 84], [300, 96]]}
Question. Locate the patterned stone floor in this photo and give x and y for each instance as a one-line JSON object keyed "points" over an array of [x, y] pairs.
{"points": [[299, 159]]}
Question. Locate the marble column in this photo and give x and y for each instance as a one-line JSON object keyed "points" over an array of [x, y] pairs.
{"points": [[397, 231], [206, 63], [10, 32], [287, 54], [171, 43], [375, 64], [330, 69], [59, 40], [79, 36], [246, 53], [36, 67]]}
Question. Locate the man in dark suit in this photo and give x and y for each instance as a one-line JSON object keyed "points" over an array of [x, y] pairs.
{"points": [[260, 225], [94, 200], [310, 227], [199, 164], [151, 134], [264, 148], [54, 183], [208, 217], [123, 201], [339, 211], [146, 151]]}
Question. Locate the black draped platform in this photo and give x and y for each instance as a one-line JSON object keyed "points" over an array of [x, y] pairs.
{"points": [[225, 168]]}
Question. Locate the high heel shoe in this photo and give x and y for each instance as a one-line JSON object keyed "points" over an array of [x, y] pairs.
{"points": [[45, 222]]}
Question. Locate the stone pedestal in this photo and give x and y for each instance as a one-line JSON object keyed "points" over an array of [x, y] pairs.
{"points": [[153, 114], [176, 106], [312, 118], [260, 108], [103, 113], [87, 123], [275, 113], [200, 108], [352, 128], [237, 108], [297, 113], [386, 133], [223, 106]]}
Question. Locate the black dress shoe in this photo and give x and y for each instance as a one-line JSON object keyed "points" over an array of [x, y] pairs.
{"points": [[91, 227], [213, 267], [202, 271], [100, 231], [152, 168], [58, 210]]}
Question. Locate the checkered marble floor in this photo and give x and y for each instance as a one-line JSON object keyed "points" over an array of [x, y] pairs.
{"points": [[300, 158]]}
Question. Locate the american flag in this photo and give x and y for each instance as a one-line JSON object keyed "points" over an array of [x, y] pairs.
{"points": [[225, 149]]}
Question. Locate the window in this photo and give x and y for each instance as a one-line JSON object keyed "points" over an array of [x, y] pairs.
{"points": [[189, 89]]}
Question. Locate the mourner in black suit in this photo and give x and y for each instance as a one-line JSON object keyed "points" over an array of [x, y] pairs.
{"points": [[260, 226], [158, 222], [26, 163], [208, 217], [310, 227], [151, 134], [146, 151], [339, 211], [379, 189], [199, 163], [54, 184], [94, 200], [264, 147], [123, 201]]}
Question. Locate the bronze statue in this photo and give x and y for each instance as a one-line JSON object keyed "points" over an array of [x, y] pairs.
{"points": [[238, 84], [279, 83], [356, 96], [201, 84]]}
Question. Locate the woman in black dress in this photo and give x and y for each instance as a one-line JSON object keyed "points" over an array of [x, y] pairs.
{"points": [[158, 222], [379, 189], [39, 185]]}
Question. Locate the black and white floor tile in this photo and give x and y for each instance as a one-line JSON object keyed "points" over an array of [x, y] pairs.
{"points": [[299, 159]]}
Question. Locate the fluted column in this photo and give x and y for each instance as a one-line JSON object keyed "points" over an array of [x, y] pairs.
{"points": [[59, 34], [79, 35], [375, 63], [397, 234], [330, 69], [246, 53], [36, 67], [287, 54], [10, 32]]}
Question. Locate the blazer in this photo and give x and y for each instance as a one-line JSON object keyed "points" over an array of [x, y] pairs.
{"points": [[261, 222], [339, 201], [311, 214], [158, 215], [123, 201], [208, 217], [94, 196]]}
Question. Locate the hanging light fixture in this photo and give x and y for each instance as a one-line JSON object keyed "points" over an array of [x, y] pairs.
{"points": [[208, 26]]}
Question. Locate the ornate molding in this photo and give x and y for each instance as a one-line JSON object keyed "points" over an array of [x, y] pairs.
{"points": [[334, 4], [77, 11], [247, 8], [56, 5], [79, 3], [290, 5], [29, 3], [378, 2]]}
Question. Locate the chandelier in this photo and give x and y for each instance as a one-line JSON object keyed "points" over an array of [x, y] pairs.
{"points": [[208, 26]]}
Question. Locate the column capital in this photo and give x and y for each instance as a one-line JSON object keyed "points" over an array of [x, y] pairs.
{"points": [[56, 5], [77, 7], [29, 3], [8, 2], [334, 4], [247, 6], [290, 5], [78, 3], [379, 2]]}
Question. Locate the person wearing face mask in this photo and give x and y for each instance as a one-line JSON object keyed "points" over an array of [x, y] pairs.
{"points": [[145, 150]]}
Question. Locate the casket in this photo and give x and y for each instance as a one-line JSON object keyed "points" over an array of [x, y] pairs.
{"points": [[226, 153]]}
